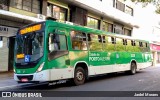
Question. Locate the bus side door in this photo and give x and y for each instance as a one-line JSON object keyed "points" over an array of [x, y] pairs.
{"points": [[58, 60]]}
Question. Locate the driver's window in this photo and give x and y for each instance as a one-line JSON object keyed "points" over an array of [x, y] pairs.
{"points": [[52, 43], [57, 42]]}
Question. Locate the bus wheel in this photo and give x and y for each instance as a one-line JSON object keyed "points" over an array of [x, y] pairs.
{"points": [[79, 76], [133, 68]]}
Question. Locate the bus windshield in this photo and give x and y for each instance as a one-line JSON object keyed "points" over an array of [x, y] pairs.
{"points": [[29, 47]]}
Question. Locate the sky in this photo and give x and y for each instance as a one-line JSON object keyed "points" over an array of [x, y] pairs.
{"points": [[148, 21]]}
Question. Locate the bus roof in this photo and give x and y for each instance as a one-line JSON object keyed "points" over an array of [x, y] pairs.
{"points": [[86, 29]]}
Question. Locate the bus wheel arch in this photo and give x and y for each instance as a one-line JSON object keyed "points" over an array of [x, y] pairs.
{"points": [[80, 73], [133, 67]]}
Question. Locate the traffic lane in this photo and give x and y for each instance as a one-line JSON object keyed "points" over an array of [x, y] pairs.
{"points": [[7, 84], [145, 80]]}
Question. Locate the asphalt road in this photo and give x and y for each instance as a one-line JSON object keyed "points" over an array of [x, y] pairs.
{"points": [[143, 82]]}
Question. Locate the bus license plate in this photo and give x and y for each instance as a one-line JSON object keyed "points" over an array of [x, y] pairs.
{"points": [[24, 80]]}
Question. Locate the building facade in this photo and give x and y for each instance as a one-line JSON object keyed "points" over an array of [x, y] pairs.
{"points": [[13, 15], [114, 16], [149, 30], [155, 43]]}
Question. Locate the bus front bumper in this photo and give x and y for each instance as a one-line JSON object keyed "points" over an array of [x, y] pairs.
{"points": [[35, 77]]}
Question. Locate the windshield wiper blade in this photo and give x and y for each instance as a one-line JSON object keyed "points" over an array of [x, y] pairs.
{"points": [[20, 40]]}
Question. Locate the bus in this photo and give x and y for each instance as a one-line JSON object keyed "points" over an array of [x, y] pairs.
{"points": [[50, 51]]}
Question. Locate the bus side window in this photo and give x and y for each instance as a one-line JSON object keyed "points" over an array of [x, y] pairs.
{"points": [[119, 44], [140, 44], [132, 42], [99, 38], [75, 40], [79, 40], [57, 45], [124, 42], [84, 42], [95, 42], [129, 46], [89, 38], [146, 45], [57, 42], [137, 47], [108, 44], [113, 40], [53, 45], [104, 39]]}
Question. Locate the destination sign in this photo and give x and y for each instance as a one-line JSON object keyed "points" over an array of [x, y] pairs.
{"points": [[30, 29]]}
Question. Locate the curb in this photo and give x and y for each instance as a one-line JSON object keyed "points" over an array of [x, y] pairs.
{"points": [[5, 72]]}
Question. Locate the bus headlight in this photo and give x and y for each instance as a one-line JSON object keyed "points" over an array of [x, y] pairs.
{"points": [[40, 67], [14, 70]]}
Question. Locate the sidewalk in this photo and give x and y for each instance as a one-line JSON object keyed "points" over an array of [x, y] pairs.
{"points": [[6, 75], [157, 65]]}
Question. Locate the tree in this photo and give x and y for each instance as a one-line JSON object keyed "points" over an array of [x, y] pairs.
{"points": [[146, 2]]}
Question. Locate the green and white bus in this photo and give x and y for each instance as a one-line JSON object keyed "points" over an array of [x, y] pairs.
{"points": [[49, 51]]}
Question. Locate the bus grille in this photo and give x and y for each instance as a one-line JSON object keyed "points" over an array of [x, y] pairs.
{"points": [[29, 77]]}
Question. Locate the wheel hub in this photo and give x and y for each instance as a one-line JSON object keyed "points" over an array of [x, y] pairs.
{"points": [[79, 76]]}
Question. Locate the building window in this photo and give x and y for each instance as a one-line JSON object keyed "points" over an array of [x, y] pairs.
{"points": [[107, 27], [127, 32], [113, 3], [36, 6], [118, 29], [120, 5], [129, 10], [28, 5], [93, 23], [110, 3], [4, 4], [56, 12]]}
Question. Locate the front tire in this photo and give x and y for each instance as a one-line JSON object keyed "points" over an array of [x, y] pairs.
{"points": [[79, 76]]}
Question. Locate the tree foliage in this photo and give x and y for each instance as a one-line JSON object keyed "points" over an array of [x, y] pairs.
{"points": [[146, 2]]}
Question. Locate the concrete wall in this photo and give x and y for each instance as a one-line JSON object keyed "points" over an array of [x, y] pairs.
{"points": [[4, 56]]}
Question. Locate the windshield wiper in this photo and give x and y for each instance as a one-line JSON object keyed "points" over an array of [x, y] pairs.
{"points": [[20, 40]]}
